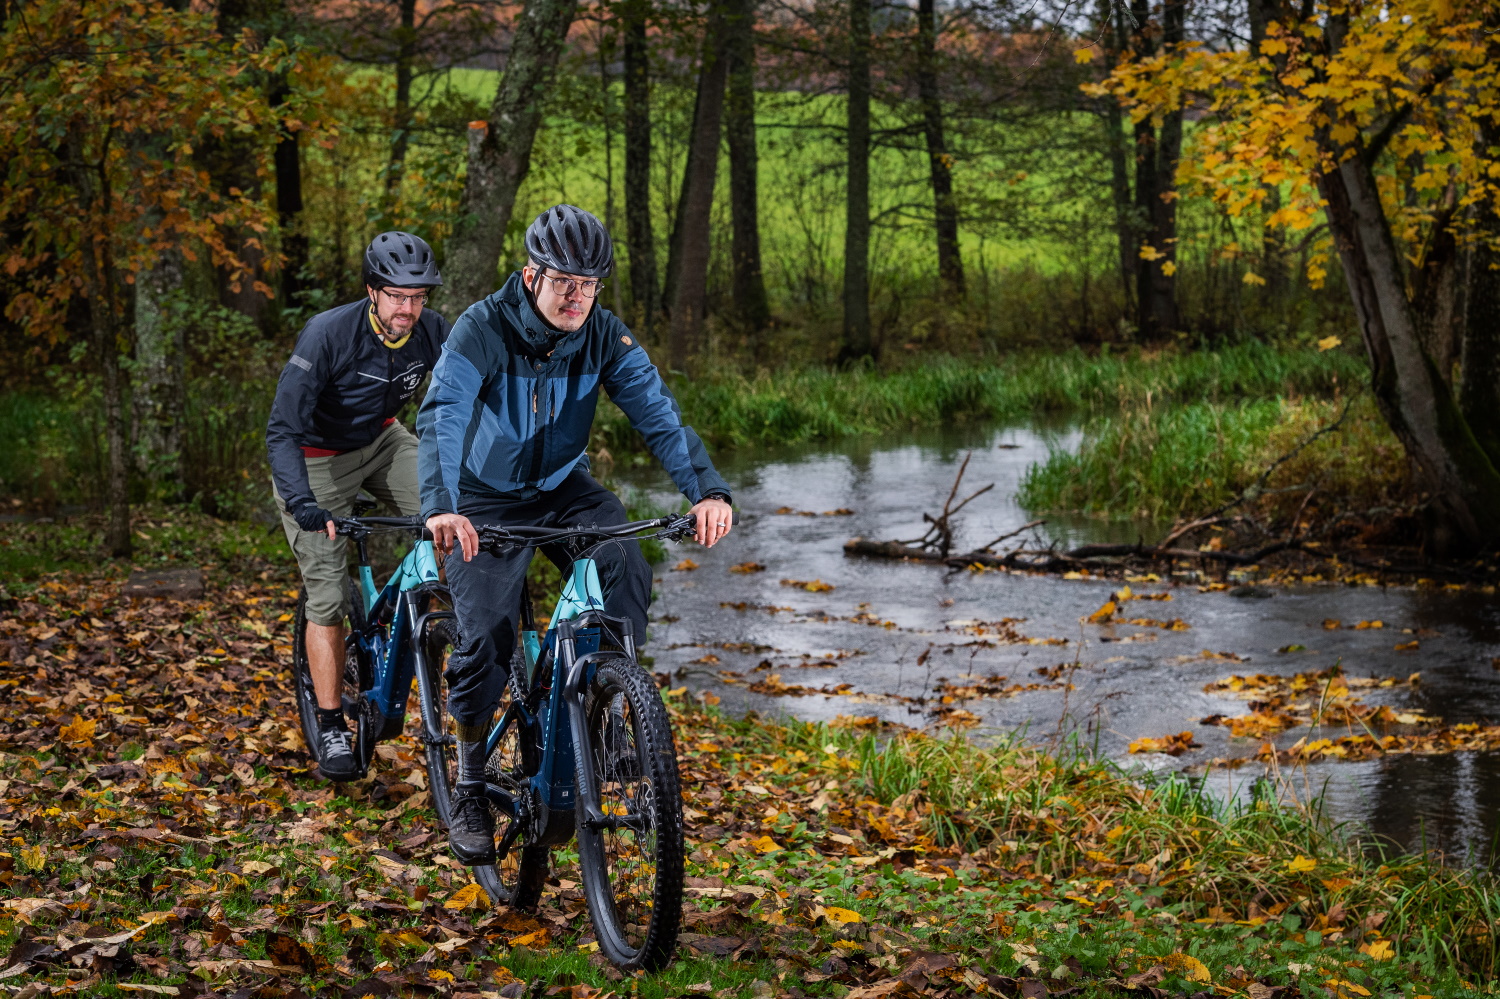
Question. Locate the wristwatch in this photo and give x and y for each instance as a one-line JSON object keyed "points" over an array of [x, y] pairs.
{"points": [[719, 494]]}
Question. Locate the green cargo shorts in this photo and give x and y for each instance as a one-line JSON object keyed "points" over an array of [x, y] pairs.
{"points": [[387, 469]]}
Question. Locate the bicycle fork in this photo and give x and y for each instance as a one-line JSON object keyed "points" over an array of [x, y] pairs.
{"points": [[575, 670]]}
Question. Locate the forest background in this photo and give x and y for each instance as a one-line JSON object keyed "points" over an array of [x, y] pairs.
{"points": [[832, 216]]}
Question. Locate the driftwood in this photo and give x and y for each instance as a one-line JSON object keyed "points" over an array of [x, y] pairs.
{"points": [[1043, 560], [936, 545]]}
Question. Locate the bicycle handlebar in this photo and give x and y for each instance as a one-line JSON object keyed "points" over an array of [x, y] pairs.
{"points": [[491, 535]]}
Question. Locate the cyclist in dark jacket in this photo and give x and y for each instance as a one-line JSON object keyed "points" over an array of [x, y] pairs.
{"points": [[333, 431], [503, 432]]}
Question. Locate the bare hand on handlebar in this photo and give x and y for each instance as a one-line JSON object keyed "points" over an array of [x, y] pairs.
{"points": [[447, 528], [712, 519]]}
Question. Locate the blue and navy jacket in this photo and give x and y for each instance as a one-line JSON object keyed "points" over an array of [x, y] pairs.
{"points": [[512, 402]]}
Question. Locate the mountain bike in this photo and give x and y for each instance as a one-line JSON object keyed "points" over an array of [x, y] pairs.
{"points": [[582, 746], [389, 633]]}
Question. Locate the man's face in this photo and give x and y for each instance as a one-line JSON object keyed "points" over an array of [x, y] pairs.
{"points": [[565, 309], [398, 309]]}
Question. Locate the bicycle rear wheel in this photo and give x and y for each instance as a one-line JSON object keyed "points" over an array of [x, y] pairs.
{"points": [[632, 873], [518, 879]]}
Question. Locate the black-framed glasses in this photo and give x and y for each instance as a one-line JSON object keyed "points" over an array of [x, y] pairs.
{"points": [[418, 300], [565, 286]]}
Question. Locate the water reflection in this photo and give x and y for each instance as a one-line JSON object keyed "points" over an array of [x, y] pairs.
{"points": [[901, 629]]}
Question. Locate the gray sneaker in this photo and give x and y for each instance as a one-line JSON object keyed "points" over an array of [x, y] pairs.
{"points": [[336, 759]]}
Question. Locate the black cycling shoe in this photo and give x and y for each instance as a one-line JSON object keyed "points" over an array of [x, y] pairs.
{"points": [[336, 759], [471, 828]]}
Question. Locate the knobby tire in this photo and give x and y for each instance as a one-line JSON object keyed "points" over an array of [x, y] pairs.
{"points": [[632, 876]]}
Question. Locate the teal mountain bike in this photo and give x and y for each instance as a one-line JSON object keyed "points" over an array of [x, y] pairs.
{"points": [[582, 745]]}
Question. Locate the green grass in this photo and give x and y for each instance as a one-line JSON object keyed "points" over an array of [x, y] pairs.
{"points": [[769, 406], [1174, 461], [815, 403]]}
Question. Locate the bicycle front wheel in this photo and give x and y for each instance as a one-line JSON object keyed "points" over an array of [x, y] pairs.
{"points": [[632, 868], [519, 877]]}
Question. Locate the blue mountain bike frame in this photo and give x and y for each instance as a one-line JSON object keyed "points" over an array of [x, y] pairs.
{"points": [[570, 650], [393, 667]]}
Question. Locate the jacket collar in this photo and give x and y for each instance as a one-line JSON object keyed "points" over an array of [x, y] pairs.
{"points": [[536, 337]]}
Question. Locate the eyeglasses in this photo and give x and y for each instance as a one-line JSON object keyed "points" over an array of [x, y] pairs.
{"points": [[400, 300], [565, 286]]}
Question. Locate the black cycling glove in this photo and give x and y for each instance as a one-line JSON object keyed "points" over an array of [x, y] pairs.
{"points": [[312, 518]]}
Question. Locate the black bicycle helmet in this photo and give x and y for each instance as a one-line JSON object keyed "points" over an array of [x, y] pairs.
{"points": [[571, 241], [400, 260]]}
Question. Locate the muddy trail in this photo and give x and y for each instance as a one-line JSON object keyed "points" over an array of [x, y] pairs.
{"points": [[779, 620]]}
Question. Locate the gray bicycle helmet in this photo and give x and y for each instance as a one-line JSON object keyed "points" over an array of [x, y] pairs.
{"points": [[572, 241], [400, 260]]}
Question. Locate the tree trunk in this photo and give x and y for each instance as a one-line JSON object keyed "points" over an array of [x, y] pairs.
{"points": [[640, 241], [939, 163], [857, 195], [687, 266], [1159, 152], [1479, 363], [289, 204], [604, 51], [1408, 390], [94, 198], [752, 309], [160, 352], [406, 42], [499, 155], [1114, 122]]}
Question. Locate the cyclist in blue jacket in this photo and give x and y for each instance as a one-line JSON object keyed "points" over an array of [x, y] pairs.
{"points": [[503, 432]]}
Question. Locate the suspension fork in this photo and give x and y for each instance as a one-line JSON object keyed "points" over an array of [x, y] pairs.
{"points": [[432, 728], [574, 669]]}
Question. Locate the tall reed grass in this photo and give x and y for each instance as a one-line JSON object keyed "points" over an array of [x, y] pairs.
{"points": [[1165, 462], [791, 406]]}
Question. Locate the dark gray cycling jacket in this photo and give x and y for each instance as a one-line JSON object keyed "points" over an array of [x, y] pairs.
{"points": [[340, 387]]}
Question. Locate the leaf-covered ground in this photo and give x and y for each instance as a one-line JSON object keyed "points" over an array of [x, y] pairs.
{"points": [[164, 836]]}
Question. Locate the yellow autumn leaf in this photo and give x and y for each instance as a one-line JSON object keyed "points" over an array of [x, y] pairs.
{"points": [[34, 857], [765, 845], [1189, 967], [438, 974], [1149, 252], [467, 897], [837, 915], [1115, 833], [1169, 268], [1329, 342], [1380, 950], [1301, 865], [1082, 56], [686, 565], [1343, 988], [1104, 613], [81, 730], [1253, 278]]}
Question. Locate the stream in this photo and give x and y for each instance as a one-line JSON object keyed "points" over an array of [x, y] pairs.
{"points": [[892, 631]]}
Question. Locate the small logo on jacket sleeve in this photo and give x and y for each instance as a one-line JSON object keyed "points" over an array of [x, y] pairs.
{"points": [[626, 340]]}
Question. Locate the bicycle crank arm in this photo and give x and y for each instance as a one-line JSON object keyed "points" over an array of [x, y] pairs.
{"points": [[501, 798], [595, 820]]}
